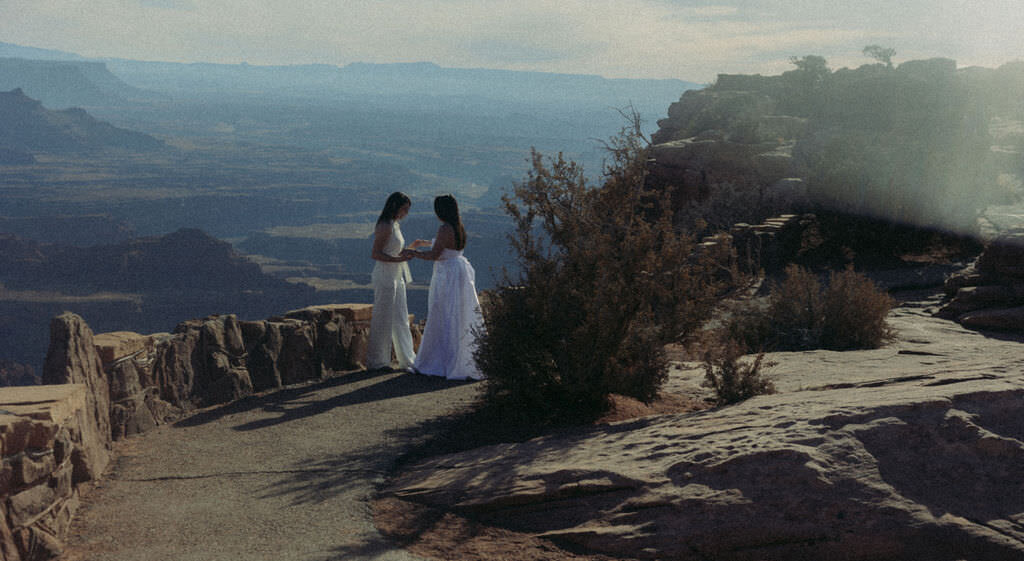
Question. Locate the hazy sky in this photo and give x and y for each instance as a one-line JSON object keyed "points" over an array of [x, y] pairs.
{"points": [[686, 39]]}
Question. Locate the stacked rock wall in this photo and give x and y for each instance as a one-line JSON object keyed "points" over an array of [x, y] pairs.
{"points": [[51, 445], [148, 380], [100, 388]]}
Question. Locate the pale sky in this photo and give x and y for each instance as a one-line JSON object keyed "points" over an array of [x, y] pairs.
{"points": [[691, 40]]}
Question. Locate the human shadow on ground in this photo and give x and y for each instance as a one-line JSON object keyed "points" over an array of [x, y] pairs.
{"points": [[366, 473], [277, 400], [392, 385], [322, 478]]}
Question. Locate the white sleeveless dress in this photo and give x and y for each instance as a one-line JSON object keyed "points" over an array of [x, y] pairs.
{"points": [[453, 320], [389, 325]]}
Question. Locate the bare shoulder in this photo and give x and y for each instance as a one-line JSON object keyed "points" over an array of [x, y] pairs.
{"points": [[446, 235], [382, 228]]}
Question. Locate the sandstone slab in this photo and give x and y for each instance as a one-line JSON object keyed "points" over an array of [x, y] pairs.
{"points": [[913, 451], [53, 403]]}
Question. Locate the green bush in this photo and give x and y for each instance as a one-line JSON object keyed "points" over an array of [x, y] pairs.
{"points": [[848, 313], [734, 381], [604, 283]]}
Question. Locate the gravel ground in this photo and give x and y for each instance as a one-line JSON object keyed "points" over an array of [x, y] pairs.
{"points": [[282, 476]]}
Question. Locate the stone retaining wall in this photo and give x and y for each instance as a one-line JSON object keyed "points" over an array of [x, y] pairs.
{"points": [[50, 445], [142, 381], [100, 388]]}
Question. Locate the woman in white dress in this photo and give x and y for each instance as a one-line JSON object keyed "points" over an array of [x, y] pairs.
{"points": [[453, 310], [389, 326]]}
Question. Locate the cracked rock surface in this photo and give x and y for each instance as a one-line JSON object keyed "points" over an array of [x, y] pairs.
{"points": [[912, 451]]}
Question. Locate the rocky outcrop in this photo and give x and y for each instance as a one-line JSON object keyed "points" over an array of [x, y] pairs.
{"points": [[48, 449], [27, 126], [857, 146], [989, 294], [724, 135], [913, 451], [767, 247]]}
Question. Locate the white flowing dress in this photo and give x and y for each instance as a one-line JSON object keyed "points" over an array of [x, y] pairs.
{"points": [[453, 320], [389, 325]]}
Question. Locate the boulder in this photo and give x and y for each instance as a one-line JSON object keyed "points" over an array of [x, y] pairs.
{"points": [[146, 380], [125, 379], [203, 363], [1004, 256], [131, 415], [72, 359], [989, 293], [342, 332], [263, 348], [701, 154], [298, 361], [781, 127], [176, 363]]}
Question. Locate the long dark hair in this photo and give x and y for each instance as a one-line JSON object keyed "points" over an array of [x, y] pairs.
{"points": [[395, 202], [448, 211]]}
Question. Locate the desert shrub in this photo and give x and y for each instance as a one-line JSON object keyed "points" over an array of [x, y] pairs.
{"points": [[848, 313], [732, 380], [604, 282], [854, 311], [795, 310]]}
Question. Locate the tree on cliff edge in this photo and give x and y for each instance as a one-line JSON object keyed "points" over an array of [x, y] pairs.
{"points": [[881, 54]]}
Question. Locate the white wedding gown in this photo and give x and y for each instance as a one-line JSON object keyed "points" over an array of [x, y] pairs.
{"points": [[453, 320]]}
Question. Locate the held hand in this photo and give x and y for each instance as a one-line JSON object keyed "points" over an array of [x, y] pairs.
{"points": [[407, 254]]}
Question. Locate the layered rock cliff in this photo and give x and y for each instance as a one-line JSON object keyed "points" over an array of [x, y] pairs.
{"points": [[911, 144], [27, 127]]}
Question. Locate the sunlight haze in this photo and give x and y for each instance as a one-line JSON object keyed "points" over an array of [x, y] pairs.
{"points": [[684, 39]]}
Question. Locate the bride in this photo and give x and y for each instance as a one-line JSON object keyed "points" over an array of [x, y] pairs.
{"points": [[453, 310]]}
